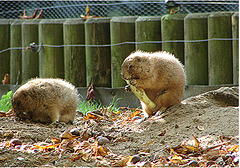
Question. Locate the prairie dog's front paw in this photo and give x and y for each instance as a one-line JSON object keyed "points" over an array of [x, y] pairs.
{"points": [[133, 82], [128, 88]]}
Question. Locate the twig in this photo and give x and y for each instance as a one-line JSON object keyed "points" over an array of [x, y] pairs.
{"points": [[209, 148]]}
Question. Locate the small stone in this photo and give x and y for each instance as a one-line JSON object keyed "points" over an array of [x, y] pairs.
{"points": [[75, 131], [144, 164], [20, 158], [136, 118], [236, 160], [193, 163], [15, 142], [135, 159], [102, 140], [200, 128], [43, 144]]}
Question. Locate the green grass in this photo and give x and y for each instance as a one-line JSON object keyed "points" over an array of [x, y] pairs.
{"points": [[5, 102], [85, 107]]}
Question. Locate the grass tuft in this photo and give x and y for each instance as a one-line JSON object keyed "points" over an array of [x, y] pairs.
{"points": [[85, 106], [5, 102]]}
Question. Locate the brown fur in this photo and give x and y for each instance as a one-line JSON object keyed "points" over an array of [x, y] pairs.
{"points": [[159, 74], [46, 100]]}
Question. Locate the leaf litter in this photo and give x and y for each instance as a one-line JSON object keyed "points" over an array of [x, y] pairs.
{"points": [[104, 138]]}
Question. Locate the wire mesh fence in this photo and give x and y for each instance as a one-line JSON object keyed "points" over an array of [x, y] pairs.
{"points": [[106, 8]]}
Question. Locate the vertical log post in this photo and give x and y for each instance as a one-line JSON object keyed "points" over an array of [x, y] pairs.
{"points": [[51, 58], [173, 29], [122, 30], [196, 53], [30, 59], [98, 58], [235, 35], [4, 44], [220, 63], [74, 56], [148, 28], [16, 54]]}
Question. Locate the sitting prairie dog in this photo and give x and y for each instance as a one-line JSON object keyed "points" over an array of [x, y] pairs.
{"points": [[157, 79], [46, 100]]}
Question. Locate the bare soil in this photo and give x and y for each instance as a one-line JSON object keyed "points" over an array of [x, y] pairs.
{"points": [[210, 117]]}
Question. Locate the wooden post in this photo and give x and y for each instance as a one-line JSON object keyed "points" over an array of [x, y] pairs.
{"points": [[122, 30], [148, 28], [16, 54], [74, 56], [235, 35], [30, 60], [173, 29], [4, 44], [98, 58], [220, 51], [196, 53], [51, 62]]}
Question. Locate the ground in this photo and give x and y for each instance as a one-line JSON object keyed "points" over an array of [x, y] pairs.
{"points": [[209, 122]]}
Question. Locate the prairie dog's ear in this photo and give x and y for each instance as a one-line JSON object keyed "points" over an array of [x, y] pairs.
{"points": [[140, 58], [135, 58]]}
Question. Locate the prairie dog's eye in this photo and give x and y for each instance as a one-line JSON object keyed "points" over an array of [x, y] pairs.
{"points": [[18, 103], [130, 66]]}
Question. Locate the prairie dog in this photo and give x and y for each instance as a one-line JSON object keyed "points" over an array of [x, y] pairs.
{"points": [[46, 100], [159, 78]]}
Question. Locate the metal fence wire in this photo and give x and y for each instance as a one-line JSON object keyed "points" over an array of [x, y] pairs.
{"points": [[106, 8]]}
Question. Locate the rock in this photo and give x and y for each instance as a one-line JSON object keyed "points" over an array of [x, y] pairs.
{"points": [[75, 131], [135, 159], [15, 142], [102, 140]]}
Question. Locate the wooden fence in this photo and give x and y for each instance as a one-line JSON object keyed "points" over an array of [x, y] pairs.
{"points": [[93, 50]]}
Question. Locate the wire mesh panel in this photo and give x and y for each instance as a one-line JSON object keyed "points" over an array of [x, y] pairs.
{"points": [[105, 8]]}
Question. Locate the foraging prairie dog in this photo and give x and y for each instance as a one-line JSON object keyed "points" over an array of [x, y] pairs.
{"points": [[158, 79], [46, 100]]}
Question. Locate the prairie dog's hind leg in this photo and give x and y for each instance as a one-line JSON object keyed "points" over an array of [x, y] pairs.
{"points": [[54, 114], [166, 99]]}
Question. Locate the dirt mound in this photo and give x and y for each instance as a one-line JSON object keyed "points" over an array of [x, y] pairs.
{"points": [[210, 117]]}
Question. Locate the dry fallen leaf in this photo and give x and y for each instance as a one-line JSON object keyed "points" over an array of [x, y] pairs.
{"points": [[87, 14], [55, 140], [33, 16], [67, 135], [2, 114], [162, 133], [122, 162], [2, 159], [196, 142], [235, 148], [6, 79], [102, 151], [45, 147], [94, 116]]}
